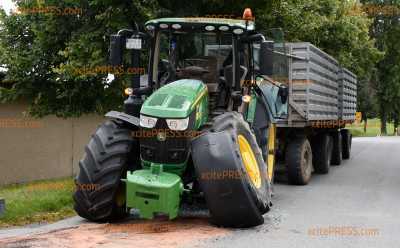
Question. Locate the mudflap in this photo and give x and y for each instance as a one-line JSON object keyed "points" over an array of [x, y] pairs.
{"points": [[224, 181]]}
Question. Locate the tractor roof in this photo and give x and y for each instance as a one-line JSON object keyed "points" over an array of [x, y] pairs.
{"points": [[193, 22]]}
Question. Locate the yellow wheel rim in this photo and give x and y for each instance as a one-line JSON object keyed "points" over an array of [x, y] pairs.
{"points": [[249, 161]]}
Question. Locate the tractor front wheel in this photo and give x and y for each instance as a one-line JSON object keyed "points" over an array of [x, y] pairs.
{"points": [[232, 173], [100, 194]]}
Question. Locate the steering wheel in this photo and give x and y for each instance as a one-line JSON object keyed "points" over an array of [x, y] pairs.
{"points": [[167, 73], [195, 62], [192, 72]]}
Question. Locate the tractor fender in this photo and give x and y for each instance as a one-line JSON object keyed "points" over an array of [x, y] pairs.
{"points": [[124, 117]]}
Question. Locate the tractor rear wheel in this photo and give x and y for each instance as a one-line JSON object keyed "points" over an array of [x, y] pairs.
{"points": [[101, 169], [299, 161], [232, 173]]}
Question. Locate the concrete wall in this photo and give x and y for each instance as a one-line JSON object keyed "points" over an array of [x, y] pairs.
{"points": [[36, 149]]}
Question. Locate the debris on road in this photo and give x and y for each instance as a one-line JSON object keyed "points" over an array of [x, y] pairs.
{"points": [[161, 234]]}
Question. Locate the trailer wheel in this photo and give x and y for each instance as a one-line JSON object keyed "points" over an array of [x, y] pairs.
{"points": [[232, 173], [337, 148], [346, 143], [299, 161], [322, 152], [102, 166]]}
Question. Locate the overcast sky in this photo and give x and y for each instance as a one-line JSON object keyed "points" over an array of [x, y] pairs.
{"points": [[7, 5]]}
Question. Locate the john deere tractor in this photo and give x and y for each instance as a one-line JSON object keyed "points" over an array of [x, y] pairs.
{"points": [[197, 128]]}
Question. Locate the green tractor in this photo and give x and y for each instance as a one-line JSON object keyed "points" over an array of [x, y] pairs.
{"points": [[196, 129]]}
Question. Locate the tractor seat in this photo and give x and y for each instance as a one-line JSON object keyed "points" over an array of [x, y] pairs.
{"points": [[228, 75], [210, 79], [212, 88]]}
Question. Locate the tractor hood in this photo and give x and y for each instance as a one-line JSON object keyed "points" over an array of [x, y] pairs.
{"points": [[175, 100]]}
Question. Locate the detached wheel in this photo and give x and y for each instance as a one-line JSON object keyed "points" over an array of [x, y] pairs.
{"points": [[299, 161], [346, 143], [322, 152], [337, 152], [232, 173], [102, 167]]}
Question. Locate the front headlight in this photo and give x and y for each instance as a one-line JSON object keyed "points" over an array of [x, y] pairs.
{"points": [[178, 124], [148, 122]]}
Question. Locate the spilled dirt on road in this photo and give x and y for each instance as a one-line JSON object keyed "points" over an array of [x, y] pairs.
{"points": [[160, 234]]}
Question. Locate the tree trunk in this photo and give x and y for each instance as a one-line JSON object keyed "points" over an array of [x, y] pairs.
{"points": [[383, 115], [396, 125], [365, 125], [383, 124]]}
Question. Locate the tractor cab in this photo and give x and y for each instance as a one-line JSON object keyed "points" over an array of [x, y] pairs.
{"points": [[226, 55], [205, 49]]}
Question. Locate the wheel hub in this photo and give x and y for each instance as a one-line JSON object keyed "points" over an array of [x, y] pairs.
{"points": [[249, 161]]}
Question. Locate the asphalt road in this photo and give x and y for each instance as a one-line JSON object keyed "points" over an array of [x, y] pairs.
{"points": [[355, 205]]}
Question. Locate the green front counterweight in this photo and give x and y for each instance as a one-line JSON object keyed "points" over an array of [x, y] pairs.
{"points": [[153, 191]]}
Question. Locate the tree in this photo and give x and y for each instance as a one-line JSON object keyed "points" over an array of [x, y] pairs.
{"points": [[42, 51], [385, 30]]}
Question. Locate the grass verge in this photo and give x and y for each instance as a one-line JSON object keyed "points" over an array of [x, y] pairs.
{"points": [[373, 128], [37, 202]]}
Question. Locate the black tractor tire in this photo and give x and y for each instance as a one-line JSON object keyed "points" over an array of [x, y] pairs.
{"points": [[337, 154], [104, 164], [234, 200], [346, 143], [299, 161], [235, 122], [322, 147]]}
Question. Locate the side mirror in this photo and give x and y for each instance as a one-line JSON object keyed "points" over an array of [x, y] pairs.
{"points": [[117, 45], [266, 58]]}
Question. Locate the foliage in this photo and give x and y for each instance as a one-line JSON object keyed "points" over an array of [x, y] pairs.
{"points": [[341, 29], [42, 51], [386, 31]]}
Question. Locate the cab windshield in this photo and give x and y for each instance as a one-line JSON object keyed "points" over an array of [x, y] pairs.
{"points": [[193, 55]]}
